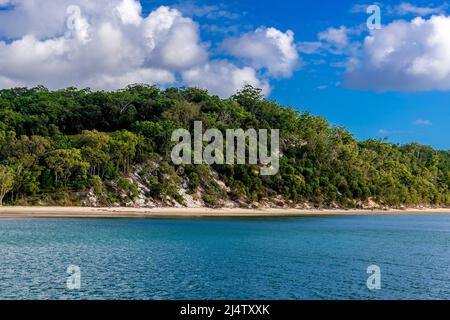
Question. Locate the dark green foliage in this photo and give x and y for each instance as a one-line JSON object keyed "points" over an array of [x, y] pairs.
{"points": [[73, 140], [127, 186]]}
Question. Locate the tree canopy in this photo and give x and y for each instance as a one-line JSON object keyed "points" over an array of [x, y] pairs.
{"points": [[66, 143]]}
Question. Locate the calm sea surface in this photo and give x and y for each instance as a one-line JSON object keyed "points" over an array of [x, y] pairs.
{"points": [[286, 258]]}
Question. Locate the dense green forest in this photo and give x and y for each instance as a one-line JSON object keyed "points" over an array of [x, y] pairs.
{"points": [[62, 147]]}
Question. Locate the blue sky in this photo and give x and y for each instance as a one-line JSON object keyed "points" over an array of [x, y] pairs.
{"points": [[393, 82], [365, 113]]}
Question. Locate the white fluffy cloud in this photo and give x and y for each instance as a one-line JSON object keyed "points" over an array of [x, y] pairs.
{"points": [[107, 44], [173, 39], [266, 48], [129, 12], [336, 41], [224, 78], [335, 37], [404, 56], [104, 51]]}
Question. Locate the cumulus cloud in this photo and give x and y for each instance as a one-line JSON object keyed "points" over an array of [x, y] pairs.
{"points": [[129, 12], [337, 41], [404, 56], [108, 44], [337, 37], [173, 39], [104, 51], [224, 78], [41, 18], [266, 48]]}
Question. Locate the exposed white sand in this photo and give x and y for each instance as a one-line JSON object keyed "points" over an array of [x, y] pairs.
{"points": [[84, 212]]}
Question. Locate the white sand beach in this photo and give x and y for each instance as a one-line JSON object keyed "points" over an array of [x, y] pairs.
{"points": [[87, 212]]}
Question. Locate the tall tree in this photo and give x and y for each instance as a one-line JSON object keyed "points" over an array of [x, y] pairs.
{"points": [[66, 162], [6, 181]]}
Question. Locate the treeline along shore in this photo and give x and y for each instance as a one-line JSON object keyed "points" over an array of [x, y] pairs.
{"points": [[78, 148]]}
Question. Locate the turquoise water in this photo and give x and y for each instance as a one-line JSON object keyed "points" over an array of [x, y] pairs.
{"points": [[289, 258]]}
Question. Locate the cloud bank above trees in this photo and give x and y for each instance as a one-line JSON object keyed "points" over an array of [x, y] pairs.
{"points": [[110, 44]]}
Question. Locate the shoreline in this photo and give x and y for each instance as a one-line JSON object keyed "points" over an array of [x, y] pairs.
{"points": [[121, 212]]}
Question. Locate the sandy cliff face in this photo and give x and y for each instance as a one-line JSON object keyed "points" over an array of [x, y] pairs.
{"points": [[187, 199], [142, 194]]}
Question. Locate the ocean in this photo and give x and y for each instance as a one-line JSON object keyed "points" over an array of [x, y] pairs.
{"points": [[317, 258]]}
